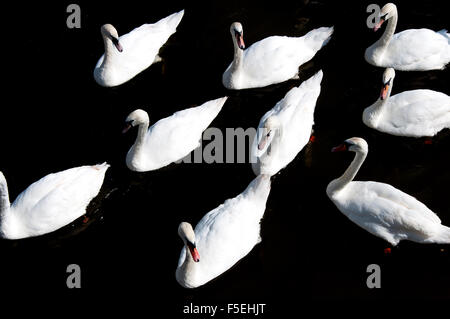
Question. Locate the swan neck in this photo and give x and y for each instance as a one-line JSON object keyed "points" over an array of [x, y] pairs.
{"points": [[140, 139], [109, 49], [350, 172], [186, 272], [4, 198], [238, 54], [390, 30], [274, 144]]}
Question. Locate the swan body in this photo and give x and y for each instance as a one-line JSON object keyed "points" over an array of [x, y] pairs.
{"points": [[50, 203], [409, 50], [132, 53], [223, 236], [380, 208], [272, 60], [170, 139], [285, 129], [413, 113]]}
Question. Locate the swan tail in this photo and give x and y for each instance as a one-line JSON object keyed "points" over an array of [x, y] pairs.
{"points": [[213, 107], [318, 38], [443, 237], [445, 34], [104, 166], [173, 20]]}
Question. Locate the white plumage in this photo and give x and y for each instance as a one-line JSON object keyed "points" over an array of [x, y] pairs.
{"points": [[272, 60], [413, 113], [50, 203], [133, 52], [285, 129], [223, 236], [381, 209], [170, 139], [409, 50]]}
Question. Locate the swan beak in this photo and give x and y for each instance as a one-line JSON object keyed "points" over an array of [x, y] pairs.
{"points": [[262, 143], [384, 92], [117, 44], [378, 25], [127, 127], [240, 40], [340, 148], [194, 252]]}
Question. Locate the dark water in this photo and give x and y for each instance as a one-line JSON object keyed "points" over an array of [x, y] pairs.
{"points": [[54, 116]]}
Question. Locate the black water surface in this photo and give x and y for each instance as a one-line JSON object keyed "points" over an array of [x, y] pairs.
{"points": [[54, 116]]}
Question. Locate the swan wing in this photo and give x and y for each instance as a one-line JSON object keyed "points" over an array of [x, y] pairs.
{"points": [[416, 48], [273, 59], [417, 113], [57, 199], [174, 137], [388, 212]]}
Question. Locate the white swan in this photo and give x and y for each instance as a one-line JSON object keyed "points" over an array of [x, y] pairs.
{"points": [[285, 129], [50, 203], [381, 209], [170, 139], [411, 113], [133, 52], [272, 60], [409, 50], [223, 236]]}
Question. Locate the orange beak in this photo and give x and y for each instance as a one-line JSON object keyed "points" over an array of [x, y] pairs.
{"points": [[194, 253], [340, 148], [240, 40], [378, 25], [384, 91]]}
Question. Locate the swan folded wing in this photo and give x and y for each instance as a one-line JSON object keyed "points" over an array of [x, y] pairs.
{"points": [[273, 57], [419, 111], [180, 133], [388, 206], [415, 46], [228, 233], [58, 199]]}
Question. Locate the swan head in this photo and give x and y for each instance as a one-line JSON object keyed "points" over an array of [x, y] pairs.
{"points": [[387, 12], [354, 144], [388, 78], [187, 234], [136, 118], [237, 33], [110, 33], [267, 133]]}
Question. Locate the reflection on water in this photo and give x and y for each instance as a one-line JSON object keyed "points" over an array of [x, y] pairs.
{"points": [[130, 240]]}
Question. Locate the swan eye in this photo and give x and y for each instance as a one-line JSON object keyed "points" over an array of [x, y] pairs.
{"points": [[268, 134], [115, 40], [383, 17]]}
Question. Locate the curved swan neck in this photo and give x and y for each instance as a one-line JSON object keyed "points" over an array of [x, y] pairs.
{"points": [[186, 271], [109, 49], [140, 139], [379, 106], [274, 144], [350, 173], [4, 197], [389, 31], [238, 54]]}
